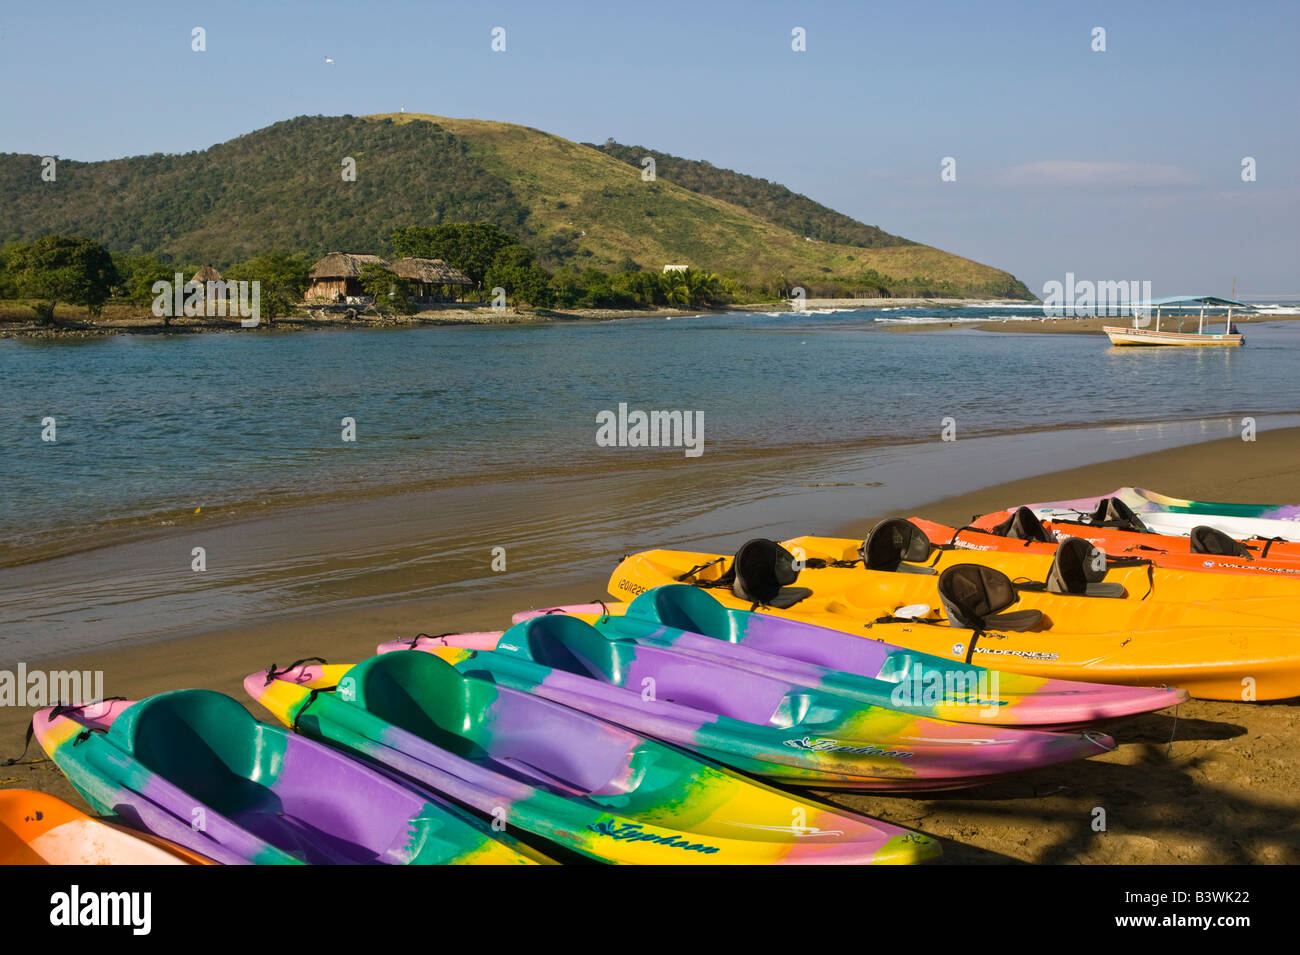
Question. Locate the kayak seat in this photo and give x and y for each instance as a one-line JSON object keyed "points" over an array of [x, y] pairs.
{"points": [[1023, 525], [574, 646], [1078, 569], [684, 607], [787, 597], [1113, 513], [763, 571], [896, 546], [421, 694], [1208, 540], [974, 597], [204, 743], [428, 697]]}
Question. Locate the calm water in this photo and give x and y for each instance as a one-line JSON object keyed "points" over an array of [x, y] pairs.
{"points": [[147, 426]]}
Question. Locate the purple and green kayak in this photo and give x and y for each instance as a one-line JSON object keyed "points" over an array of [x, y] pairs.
{"points": [[541, 768], [870, 671], [764, 725], [193, 767]]}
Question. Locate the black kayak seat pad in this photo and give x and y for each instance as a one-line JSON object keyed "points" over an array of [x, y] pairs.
{"points": [[1209, 540], [1023, 525], [763, 571], [975, 596], [896, 545], [1078, 569], [1113, 513]]}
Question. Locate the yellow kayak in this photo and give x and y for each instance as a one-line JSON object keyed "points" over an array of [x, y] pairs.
{"points": [[976, 613]]}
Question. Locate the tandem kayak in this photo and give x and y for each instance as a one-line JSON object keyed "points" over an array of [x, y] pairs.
{"points": [[193, 767], [763, 725], [1204, 550], [1075, 576], [551, 771]]}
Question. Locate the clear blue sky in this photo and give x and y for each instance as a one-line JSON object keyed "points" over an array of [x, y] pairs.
{"points": [[1115, 166]]}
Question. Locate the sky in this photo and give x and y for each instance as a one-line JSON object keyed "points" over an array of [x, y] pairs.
{"points": [[1119, 164]]}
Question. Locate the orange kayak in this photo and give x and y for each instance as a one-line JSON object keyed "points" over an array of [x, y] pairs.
{"points": [[1021, 532], [39, 829]]}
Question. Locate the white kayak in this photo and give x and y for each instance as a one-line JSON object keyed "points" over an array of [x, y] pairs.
{"points": [[1174, 515]]}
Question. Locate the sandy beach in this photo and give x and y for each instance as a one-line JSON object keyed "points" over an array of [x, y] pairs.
{"points": [[1212, 783]]}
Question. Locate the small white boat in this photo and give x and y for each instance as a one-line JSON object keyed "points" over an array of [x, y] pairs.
{"points": [[1141, 335]]}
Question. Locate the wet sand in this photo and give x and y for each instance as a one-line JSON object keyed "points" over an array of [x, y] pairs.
{"points": [[1213, 783]]}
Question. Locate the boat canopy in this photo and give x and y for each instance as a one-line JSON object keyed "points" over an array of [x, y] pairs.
{"points": [[1204, 301]]}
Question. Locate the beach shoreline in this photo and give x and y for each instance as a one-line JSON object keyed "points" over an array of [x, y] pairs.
{"points": [[73, 322], [1224, 789]]}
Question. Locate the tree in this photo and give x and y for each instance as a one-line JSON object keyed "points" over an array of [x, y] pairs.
{"points": [[643, 288], [391, 292], [690, 288], [704, 288], [514, 270], [136, 275], [676, 288], [471, 247], [62, 268], [8, 286], [567, 288], [281, 278]]}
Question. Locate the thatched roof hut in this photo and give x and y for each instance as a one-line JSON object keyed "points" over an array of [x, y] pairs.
{"points": [[334, 278], [433, 280], [207, 274], [345, 265], [430, 272]]}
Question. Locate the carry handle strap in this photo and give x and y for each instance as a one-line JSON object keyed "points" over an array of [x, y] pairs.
{"points": [[699, 567], [60, 709], [415, 640], [272, 673]]}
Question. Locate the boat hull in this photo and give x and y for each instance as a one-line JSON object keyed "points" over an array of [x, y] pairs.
{"points": [[1146, 336]]}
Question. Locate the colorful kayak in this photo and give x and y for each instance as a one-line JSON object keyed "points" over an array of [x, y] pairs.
{"points": [[555, 772], [193, 767], [39, 829], [976, 614], [769, 727], [1176, 515], [689, 619], [1021, 532]]}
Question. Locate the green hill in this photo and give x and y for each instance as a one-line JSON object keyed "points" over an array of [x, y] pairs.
{"points": [[767, 200], [280, 189]]}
